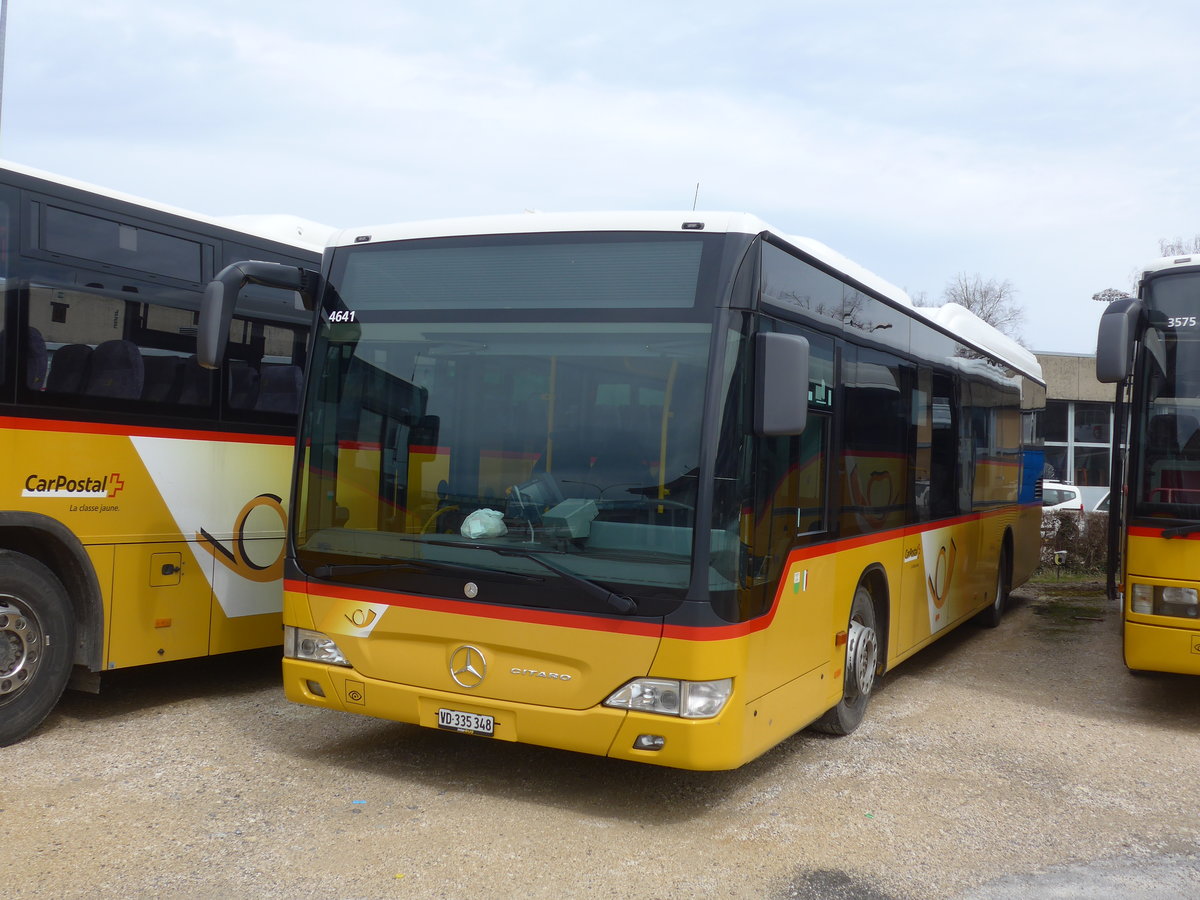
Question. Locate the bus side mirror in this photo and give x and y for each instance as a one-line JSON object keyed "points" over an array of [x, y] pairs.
{"points": [[1119, 328], [220, 297], [781, 384]]}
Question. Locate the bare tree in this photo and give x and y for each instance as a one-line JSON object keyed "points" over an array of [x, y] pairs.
{"points": [[1108, 295], [1166, 247], [993, 301], [1178, 246]]}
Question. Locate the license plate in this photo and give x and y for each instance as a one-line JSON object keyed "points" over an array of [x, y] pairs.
{"points": [[468, 723]]}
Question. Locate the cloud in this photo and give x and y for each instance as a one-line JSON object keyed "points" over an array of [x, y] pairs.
{"points": [[1044, 144]]}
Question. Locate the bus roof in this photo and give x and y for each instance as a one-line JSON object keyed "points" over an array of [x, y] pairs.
{"points": [[957, 320], [285, 229], [1170, 262]]}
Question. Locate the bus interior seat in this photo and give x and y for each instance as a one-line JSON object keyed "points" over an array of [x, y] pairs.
{"points": [[35, 359], [621, 462], [116, 371], [571, 466], [1167, 433], [164, 379], [196, 387], [243, 385], [279, 389], [69, 366]]}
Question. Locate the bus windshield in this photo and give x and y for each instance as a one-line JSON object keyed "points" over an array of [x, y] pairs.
{"points": [[513, 426], [1169, 438]]}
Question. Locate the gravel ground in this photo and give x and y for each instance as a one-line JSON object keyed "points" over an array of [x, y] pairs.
{"points": [[1019, 762]]}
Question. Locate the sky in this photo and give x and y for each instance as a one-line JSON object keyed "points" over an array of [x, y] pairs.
{"points": [[1049, 145]]}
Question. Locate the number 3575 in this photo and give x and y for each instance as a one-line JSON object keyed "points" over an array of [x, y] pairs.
{"points": [[1181, 322]]}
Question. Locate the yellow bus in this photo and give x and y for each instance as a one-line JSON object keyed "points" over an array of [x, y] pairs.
{"points": [[141, 496], [1149, 347], [663, 487]]}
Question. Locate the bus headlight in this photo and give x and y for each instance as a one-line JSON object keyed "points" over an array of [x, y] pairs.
{"points": [[300, 643], [669, 697], [1149, 600], [1141, 600], [1179, 601]]}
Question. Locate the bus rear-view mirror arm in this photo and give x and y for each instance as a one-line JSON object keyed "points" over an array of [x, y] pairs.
{"points": [[781, 389], [220, 298]]}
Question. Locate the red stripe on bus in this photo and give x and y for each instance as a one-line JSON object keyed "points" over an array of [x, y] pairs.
{"points": [[619, 626], [1152, 532], [186, 434], [461, 607]]}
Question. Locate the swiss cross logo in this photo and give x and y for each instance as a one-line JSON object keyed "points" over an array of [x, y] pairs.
{"points": [[115, 484]]}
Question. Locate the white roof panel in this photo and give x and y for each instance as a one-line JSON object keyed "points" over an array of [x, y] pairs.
{"points": [[285, 229]]}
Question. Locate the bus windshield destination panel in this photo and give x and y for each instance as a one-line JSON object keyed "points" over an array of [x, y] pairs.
{"points": [[1154, 516], [667, 492], [143, 503]]}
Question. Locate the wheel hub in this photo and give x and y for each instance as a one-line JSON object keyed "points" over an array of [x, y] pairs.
{"points": [[20, 646], [862, 655]]}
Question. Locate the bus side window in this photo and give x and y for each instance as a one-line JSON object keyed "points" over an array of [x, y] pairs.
{"points": [[875, 491], [264, 369], [943, 456]]}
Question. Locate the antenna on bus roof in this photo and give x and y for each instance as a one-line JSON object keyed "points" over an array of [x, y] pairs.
{"points": [[696, 196]]}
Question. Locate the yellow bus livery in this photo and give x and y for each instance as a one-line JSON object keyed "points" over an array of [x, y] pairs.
{"points": [[142, 497], [1149, 347], [662, 487]]}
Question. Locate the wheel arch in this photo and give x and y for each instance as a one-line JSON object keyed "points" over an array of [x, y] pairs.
{"points": [[55, 546], [1008, 544], [875, 578]]}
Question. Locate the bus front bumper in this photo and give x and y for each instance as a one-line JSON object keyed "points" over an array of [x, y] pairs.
{"points": [[1157, 648], [704, 744]]}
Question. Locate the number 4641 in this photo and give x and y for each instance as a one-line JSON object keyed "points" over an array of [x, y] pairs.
{"points": [[347, 315]]}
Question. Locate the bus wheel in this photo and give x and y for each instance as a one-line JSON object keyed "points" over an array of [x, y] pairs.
{"points": [[991, 616], [37, 637], [862, 663]]}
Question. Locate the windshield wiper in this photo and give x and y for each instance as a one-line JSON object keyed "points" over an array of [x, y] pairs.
{"points": [[1181, 530], [617, 602], [440, 568]]}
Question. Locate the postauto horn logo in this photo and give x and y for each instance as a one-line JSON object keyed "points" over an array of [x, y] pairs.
{"points": [[83, 486]]}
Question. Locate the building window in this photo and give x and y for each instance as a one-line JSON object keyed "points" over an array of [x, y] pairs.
{"points": [[1091, 466], [1092, 423], [1078, 436], [1054, 422]]}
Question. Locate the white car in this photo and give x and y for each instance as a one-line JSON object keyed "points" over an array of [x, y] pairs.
{"points": [[1056, 496]]}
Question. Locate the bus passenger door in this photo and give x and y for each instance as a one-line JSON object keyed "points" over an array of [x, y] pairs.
{"points": [[930, 553]]}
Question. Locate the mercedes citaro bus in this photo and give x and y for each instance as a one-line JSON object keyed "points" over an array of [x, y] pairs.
{"points": [[666, 487]]}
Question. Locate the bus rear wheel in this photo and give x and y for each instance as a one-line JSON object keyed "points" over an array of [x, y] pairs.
{"points": [[37, 636], [862, 664]]}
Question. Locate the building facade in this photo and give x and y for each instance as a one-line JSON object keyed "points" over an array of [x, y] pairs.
{"points": [[1078, 425]]}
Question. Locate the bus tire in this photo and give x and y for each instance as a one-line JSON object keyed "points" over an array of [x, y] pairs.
{"points": [[991, 616], [861, 667], [37, 639]]}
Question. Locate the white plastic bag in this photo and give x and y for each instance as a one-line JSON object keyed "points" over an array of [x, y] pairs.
{"points": [[484, 523]]}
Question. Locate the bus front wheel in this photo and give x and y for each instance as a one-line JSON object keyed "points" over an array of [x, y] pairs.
{"points": [[862, 664], [991, 616], [37, 637]]}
